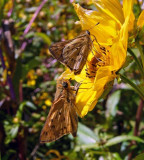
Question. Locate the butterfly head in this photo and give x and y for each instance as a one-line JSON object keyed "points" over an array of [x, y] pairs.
{"points": [[87, 32], [65, 84]]}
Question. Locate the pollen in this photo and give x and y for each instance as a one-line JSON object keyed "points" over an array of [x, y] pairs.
{"points": [[100, 58]]}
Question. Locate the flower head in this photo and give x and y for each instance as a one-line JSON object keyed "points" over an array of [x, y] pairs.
{"points": [[108, 55]]}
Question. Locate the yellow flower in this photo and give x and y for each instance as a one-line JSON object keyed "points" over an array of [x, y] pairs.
{"points": [[44, 95], [31, 82], [44, 107], [31, 76], [48, 102], [109, 51]]}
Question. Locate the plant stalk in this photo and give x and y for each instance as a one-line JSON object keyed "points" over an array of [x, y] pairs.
{"points": [[133, 85]]}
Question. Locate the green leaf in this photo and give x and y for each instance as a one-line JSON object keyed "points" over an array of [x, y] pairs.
{"points": [[29, 35], [129, 59], [112, 103], [11, 131], [44, 37], [141, 50], [86, 135], [133, 85], [123, 138], [30, 105], [137, 61], [139, 157], [108, 87], [14, 131], [109, 143], [21, 107], [87, 146]]}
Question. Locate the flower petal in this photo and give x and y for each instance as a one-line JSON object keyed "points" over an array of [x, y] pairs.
{"points": [[103, 76], [112, 8], [105, 31], [127, 7], [85, 99], [140, 22]]}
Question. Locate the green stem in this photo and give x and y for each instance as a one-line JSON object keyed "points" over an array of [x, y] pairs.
{"points": [[137, 62], [141, 52], [133, 85]]}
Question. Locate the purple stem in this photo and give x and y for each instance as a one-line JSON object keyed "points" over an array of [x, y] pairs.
{"points": [[9, 81], [34, 17], [11, 10], [24, 44]]}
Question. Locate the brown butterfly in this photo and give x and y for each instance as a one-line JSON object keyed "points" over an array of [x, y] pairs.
{"points": [[62, 118], [73, 53]]}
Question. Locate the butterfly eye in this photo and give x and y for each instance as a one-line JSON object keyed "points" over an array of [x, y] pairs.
{"points": [[88, 32], [65, 84]]}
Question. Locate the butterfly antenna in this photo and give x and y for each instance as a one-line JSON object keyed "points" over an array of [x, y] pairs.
{"points": [[94, 26]]}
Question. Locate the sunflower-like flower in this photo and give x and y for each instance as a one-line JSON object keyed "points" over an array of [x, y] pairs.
{"points": [[108, 55]]}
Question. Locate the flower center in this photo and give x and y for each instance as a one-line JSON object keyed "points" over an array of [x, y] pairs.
{"points": [[100, 58]]}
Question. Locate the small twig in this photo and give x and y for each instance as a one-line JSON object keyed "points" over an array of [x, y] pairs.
{"points": [[22, 143], [137, 124], [7, 43], [138, 118], [24, 44], [20, 91], [34, 17], [34, 150]]}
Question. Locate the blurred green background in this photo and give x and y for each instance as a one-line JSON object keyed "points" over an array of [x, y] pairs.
{"points": [[106, 133]]}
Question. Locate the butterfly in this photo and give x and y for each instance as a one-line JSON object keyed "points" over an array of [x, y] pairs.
{"points": [[62, 118], [73, 53]]}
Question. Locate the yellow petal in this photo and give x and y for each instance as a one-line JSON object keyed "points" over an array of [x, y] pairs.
{"points": [[118, 55], [124, 33], [140, 22], [131, 21], [103, 76], [127, 7], [119, 48], [112, 8], [85, 99], [89, 93], [67, 75], [106, 29]]}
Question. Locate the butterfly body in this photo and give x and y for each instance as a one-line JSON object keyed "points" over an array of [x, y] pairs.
{"points": [[62, 118], [73, 53]]}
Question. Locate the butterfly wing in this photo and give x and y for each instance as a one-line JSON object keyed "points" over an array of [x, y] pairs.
{"points": [[73, 120], [62, 120], [71, 115], [54, 122], [70, 52], [56, 49], [73, 51], [81, 59]]}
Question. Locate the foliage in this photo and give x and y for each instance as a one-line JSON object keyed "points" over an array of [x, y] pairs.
{"points": [[28, 76]]}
